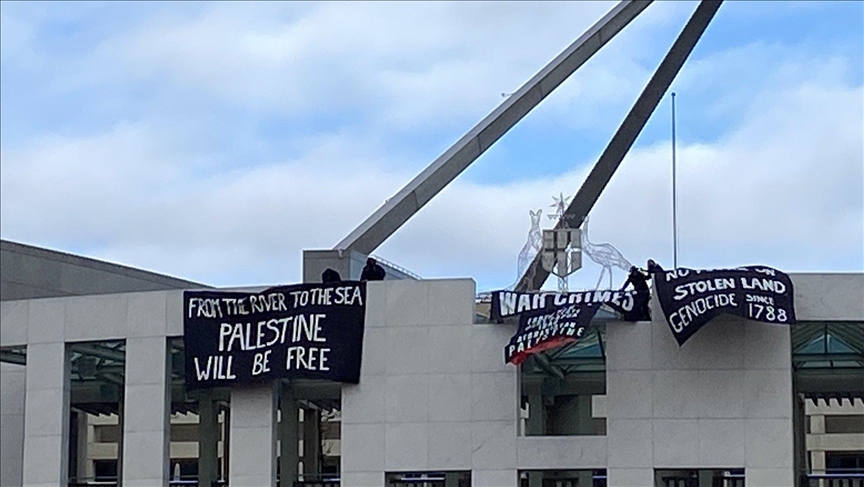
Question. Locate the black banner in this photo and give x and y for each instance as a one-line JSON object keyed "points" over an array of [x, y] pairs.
{"points": [[550, 319], [309, 331], [690, 298]]}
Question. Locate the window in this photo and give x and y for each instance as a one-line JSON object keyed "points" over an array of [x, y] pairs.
{"points": [[842, 424], [96, 382], [185, 469], [428, 479], [105, 469], [562, 478], [184, 432], [106, 433], [699, 478], [563, 389], [331, 430], [844, 462]]}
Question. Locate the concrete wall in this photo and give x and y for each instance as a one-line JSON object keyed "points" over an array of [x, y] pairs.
{"points": [[820, 441], [46, 326], [837, 296], [28, 272], [12, 379], [723, 400], [435, 394]]}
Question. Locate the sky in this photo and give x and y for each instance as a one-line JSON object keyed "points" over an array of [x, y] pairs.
{"points": [[217, 141]]}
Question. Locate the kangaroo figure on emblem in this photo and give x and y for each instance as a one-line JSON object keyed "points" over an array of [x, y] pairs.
{"points": [[532, 246]]}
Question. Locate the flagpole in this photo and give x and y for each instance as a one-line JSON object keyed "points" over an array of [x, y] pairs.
{"points": [[674, 193]]}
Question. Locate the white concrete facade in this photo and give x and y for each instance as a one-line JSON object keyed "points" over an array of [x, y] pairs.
{"points": [[724, 400], [821, 439], [434, 392]]}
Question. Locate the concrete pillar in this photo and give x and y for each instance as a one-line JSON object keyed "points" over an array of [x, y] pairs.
{"points": [[46, 416], [225, 428], [451, 479], [12, 377], [799, 422], [349, 264], [585, 477], [494, 478], [583, 415], [573, 415], [208, 439], [817, 424], [311, 442], [817, 459], [252, 449], [630, 477], [706, 478], [83, 425], [145, 416], [585, 426], [536, 415], [289, 436]]}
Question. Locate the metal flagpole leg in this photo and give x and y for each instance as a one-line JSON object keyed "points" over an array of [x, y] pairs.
{"points": [[624, 138]]}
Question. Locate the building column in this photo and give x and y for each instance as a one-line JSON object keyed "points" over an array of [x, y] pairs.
{"points": [[311, 442], [252, 452], [289, 436], [706, 478], [630, 477], [817, 457], [12, 390], [494, 478], [799, 422], [208, 439], [536, 424], [46, 416], [145, 419], [451, 479], [82, 469], [585, 422]]}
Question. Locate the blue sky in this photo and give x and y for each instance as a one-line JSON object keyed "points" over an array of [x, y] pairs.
{"points": [[216, 141]]}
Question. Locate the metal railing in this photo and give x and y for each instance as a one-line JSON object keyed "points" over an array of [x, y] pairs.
{"points": [[318, 483], [171, 483], [845, 479], [397, 267], [726, 480]]}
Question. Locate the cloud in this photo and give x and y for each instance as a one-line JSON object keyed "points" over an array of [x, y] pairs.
{"points": [[396, 66], [191, 186], [782, 189]]}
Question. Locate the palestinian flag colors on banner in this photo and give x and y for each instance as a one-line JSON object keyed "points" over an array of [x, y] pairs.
{"points": [[549, 319]]}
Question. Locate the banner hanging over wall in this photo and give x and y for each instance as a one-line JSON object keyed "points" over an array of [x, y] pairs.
{"points": [[690, 298], [550, 319], [308, 331]]}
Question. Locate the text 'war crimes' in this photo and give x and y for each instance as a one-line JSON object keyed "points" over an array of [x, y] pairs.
{"points": [[512, 303]]}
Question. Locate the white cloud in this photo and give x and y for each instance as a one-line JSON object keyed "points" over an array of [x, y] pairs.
{"points": [[783, 187], [396, 65], [15, 38]]}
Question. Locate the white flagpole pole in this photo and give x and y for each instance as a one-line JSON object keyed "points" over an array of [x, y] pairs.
{"points": [[674, 193]]}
